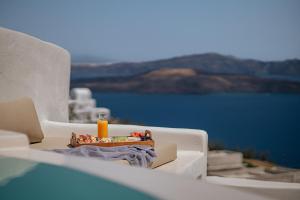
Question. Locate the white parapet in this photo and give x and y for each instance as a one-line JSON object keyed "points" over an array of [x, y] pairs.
{"points": [[82, 107], [82, 94]]}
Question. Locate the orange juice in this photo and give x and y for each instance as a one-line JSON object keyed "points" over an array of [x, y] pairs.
{"points": [[102, 128]]}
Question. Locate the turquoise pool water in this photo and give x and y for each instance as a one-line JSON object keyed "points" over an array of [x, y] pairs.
{"points": [[43, 182]]}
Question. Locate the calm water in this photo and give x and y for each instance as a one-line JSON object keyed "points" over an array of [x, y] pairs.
{"points": [[267, 123]]}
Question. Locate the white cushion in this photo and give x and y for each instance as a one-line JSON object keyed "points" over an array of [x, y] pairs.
{"points": [[20, 116]]}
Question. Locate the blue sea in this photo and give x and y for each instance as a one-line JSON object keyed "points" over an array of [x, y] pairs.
{"points": [[268, 123]]}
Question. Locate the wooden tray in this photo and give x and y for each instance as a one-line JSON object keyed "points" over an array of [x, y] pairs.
{"points": [[74, 143]]}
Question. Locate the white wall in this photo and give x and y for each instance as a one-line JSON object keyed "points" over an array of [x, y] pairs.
{"points": [[37, 69]]}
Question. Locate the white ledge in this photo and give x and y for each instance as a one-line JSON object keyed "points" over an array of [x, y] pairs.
{"points": [[13, 140]]}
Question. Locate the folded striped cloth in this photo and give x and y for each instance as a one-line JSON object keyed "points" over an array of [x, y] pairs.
{"points": [[136, 155]]}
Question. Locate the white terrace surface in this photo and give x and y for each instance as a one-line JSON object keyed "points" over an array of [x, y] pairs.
{"points": [[33, 68]]}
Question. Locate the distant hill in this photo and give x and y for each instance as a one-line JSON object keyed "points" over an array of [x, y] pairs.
{"points": [[187, 80], [203, 73], [208, 63]]}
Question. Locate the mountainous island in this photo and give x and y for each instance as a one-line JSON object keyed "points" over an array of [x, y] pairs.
{"points": [[199, 74]]}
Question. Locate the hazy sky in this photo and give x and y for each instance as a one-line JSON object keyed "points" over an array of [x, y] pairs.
{"points": [[135, 30]]}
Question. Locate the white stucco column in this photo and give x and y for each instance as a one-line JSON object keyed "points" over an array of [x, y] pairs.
{"points": [[33, 68]]}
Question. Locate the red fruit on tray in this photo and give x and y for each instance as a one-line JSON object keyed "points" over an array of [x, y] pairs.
{"points": [[134, 134], [137, 134]]}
